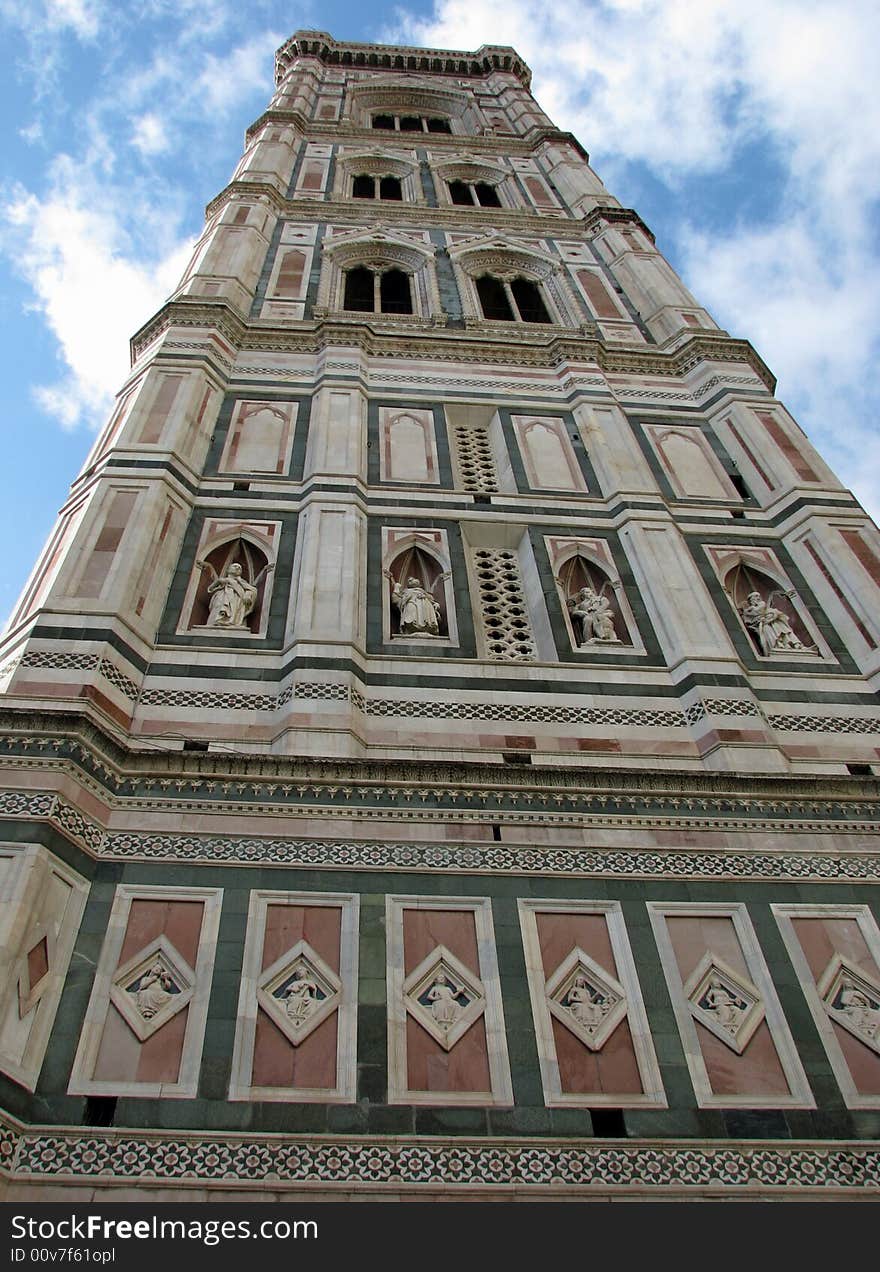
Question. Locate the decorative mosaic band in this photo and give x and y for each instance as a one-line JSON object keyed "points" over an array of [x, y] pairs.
{"points": [[228, 1160], [491, 858]]}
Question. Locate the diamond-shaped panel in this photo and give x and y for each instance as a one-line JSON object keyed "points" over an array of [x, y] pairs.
{"points": [[298, 991], [35, 970], [152, 987], [586, 999], [725, 1001], [852, 998], [444, 997]]}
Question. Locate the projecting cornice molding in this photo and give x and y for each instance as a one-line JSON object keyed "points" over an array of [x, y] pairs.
{"points": [[448, 345], [486, 60]]}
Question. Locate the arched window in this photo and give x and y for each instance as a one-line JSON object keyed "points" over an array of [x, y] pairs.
{"points": [[359, 290], [374, 292], [389, 188], [411, 123], [487, 195], [364, 187], [460, 193], [518, 300]]}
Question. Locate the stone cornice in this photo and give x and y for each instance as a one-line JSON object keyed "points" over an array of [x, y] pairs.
{"points": [[486, 60], [382, 338]]}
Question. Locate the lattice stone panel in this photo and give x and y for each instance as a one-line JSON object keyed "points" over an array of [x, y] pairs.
{"points": [[503, 606], [476, 463]]}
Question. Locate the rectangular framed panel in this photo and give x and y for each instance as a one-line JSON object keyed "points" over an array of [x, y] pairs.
{"points": [[594, 1045], [446, 1039], [296, 1034], [737, 1044], [835, 950], [145, 1022]]}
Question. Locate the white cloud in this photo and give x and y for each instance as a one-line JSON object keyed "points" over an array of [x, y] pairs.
{"points": [[91, 290], [149, 135], [681, 88]]}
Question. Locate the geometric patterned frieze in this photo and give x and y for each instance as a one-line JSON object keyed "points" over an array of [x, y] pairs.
{"points": [[726, 1002], [852, 998], [152, 987], [298, 991], [586, 999], [444, 997], [693, 1168]]}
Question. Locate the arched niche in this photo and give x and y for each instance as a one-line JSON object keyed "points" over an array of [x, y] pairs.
{"points": [[768, 612], [592, 604], [416, 588], [215, 611]]}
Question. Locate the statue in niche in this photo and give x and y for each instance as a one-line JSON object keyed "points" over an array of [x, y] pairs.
{"points": [[596, 615], [444, 1007], [771, 626], [587, 1007], [153, 991], [233, 596], [419, 612], [301, 996]]}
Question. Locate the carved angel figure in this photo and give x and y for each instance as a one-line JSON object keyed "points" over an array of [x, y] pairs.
{"points": [[771, 626], [153, 991], [301, 996], [419, 612], [444, 1008], [233, 597], [595, 613]]}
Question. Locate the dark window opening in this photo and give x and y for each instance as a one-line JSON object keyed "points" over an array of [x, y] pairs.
{"points": [[241, 485], [100, 1110], [496, 834], [359, 290], [487, 196], [740, 486], [860, 770], [389, 188], [528, 301], [608, 1123], [460, 193], [194, 744], [395, 293], [364, 188], [516, 757], [493, 299], [383, 121], [438, 126], [410, 123]]}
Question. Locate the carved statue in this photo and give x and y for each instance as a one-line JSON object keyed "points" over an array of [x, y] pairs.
{"points": [[588, 1009], [233, 597], [771, 626], [301, 997], [597, 619], [444, 1008], [419, 612], [726, 1008], [863, 1013], [153, 991]]}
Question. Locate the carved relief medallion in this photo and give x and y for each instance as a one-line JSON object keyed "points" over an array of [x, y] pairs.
{"points": [[298, 992], [152, 987], [852, 999], [726, 1002], [586, 999], [444, 997]]}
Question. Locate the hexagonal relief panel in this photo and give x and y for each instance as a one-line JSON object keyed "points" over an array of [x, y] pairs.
{"points": [[298, 991], [725, 1001], [152, 987], [586, 999], [444, 997], [852, 999]]}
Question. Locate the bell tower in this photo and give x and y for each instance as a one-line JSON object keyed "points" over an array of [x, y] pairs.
{"points": [[444, 717]]}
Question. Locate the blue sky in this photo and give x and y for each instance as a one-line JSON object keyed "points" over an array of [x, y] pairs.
{"points": [[745, 132]]}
